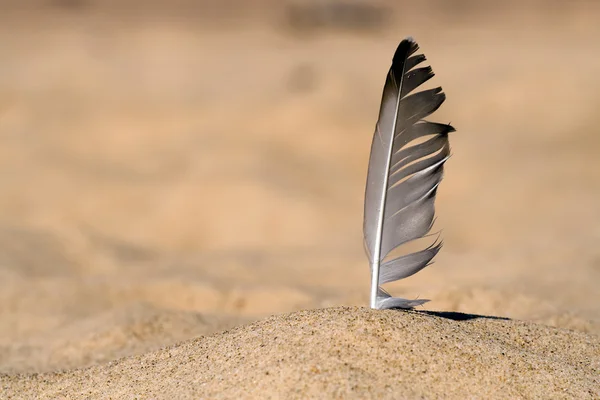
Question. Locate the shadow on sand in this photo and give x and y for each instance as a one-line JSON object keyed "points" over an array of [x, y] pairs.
{"points": [[457, 316]]}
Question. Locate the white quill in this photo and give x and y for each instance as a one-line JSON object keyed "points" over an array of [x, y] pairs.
{"points": [[403, 177]]}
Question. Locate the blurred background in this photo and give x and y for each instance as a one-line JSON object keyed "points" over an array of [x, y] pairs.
{"points": [[173, 168]]}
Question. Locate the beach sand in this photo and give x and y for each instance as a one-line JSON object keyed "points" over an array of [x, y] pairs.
{"points": [[182, 198], [348, 352]]}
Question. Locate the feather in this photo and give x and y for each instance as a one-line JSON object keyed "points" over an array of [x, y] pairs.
{"points": [[403, 177]]}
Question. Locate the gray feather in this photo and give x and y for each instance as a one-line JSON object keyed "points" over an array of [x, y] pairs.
{"points": [[403, 178]]}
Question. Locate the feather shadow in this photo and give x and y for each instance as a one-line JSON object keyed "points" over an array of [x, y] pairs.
{"points": [[458, 316]]}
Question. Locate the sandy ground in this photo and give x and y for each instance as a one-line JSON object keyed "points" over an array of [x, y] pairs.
{"points": [[165, 178], [372, 354]]}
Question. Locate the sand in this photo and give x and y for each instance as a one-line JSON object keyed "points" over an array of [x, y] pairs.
{"points": [[177, 185], [348, 352]]}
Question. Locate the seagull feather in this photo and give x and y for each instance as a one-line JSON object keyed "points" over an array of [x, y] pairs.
{"points": [[405, 169]]}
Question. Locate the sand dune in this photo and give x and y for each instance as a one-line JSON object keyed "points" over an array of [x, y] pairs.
{"points": [[347, 353]]}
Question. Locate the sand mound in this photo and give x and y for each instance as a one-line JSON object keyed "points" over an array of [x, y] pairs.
{"points": [[347, 353]]}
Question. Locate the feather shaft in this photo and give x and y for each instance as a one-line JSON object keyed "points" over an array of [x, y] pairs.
{"points": [[376, 264]]}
